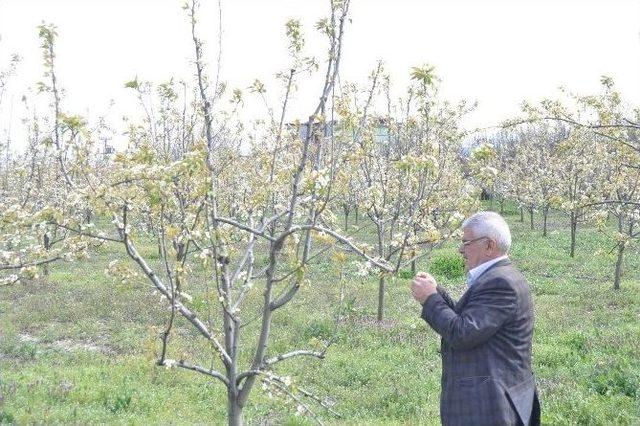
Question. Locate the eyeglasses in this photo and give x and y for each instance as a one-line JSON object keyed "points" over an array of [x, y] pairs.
{"points": [[466, 243]]}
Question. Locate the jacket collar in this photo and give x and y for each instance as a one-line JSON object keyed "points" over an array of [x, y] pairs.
{"points": [[463, 300], [474, 274]]}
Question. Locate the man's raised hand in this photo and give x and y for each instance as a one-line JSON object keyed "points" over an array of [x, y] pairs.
{"points": [[423, 286]]}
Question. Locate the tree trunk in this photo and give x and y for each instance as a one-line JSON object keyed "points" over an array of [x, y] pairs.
{"points": [[545, 215], [618, 275], [574, 226], [502, 205], [621, 246], [346, 217], [531, 217], [521, 215], [356, 218], [88, 215], [413, 254], [47, 246], [234, 410], [381, 289]]}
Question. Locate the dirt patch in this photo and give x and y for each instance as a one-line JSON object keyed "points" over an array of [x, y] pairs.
{"points": [[68, 345], [71, 345], [24, 337]]}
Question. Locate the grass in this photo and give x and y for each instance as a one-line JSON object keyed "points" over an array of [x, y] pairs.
{"points": [[78, 347]]}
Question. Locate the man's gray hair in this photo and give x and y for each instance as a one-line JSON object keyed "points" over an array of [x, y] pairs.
{"points": [[492, 226]]}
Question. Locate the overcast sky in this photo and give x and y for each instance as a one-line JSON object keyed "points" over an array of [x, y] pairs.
{"points": [[496, 52]]}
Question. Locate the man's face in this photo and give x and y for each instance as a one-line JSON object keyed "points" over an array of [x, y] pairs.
{"points": [[473, 249]]}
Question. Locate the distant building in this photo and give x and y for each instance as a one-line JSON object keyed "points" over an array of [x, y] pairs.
{"points": [[380, 131], [325, 129], [107, 150]]}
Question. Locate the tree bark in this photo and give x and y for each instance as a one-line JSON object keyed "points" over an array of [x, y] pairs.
{"points": [[47, 246], [381, 290], [531, 217], [234, 409], [618, 275], [545, 215], [574, 226], [346, 217]]}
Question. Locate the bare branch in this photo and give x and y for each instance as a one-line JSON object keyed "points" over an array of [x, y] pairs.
{"points": [[282, 357], [192, 367], [622, 202], [258, 232], [184, 311], [344, 240], [10, 283], [29, 264], [86, 234], [283, 388], [319, 401]]}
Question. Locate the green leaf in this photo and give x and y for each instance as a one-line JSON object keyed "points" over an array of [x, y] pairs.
{"points": [[424, 74], [133, 84]]}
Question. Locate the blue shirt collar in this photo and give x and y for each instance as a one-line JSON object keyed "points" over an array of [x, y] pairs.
{"points": [[473, 274]]}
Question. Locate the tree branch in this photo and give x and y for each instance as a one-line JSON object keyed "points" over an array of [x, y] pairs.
{"points": [[258, 232], [183, 364], [282, 357], [184, 311], [27, 265]]}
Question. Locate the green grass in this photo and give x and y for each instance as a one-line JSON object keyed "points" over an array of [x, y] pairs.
{"points": [[78, 347]]}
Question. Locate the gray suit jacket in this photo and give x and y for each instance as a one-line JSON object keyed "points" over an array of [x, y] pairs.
{"points": [[486, 350]]}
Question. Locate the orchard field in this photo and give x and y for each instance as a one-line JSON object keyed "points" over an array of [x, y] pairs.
{"points": [[80, 347], [221, 267]]}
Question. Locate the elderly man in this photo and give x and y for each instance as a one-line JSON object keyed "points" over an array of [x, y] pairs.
{"points": [[486, 335]]}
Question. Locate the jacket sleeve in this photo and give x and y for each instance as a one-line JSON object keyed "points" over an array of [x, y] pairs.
{"points": [[445, 296], [487, 308]]}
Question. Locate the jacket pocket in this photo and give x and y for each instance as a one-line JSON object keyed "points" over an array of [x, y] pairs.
{"points": [[521, 398], [469, 382], [476, 400]]}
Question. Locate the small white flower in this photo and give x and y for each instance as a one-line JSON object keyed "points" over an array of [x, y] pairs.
{"points": [[187, 297], [364, 268], [169, 363]]}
